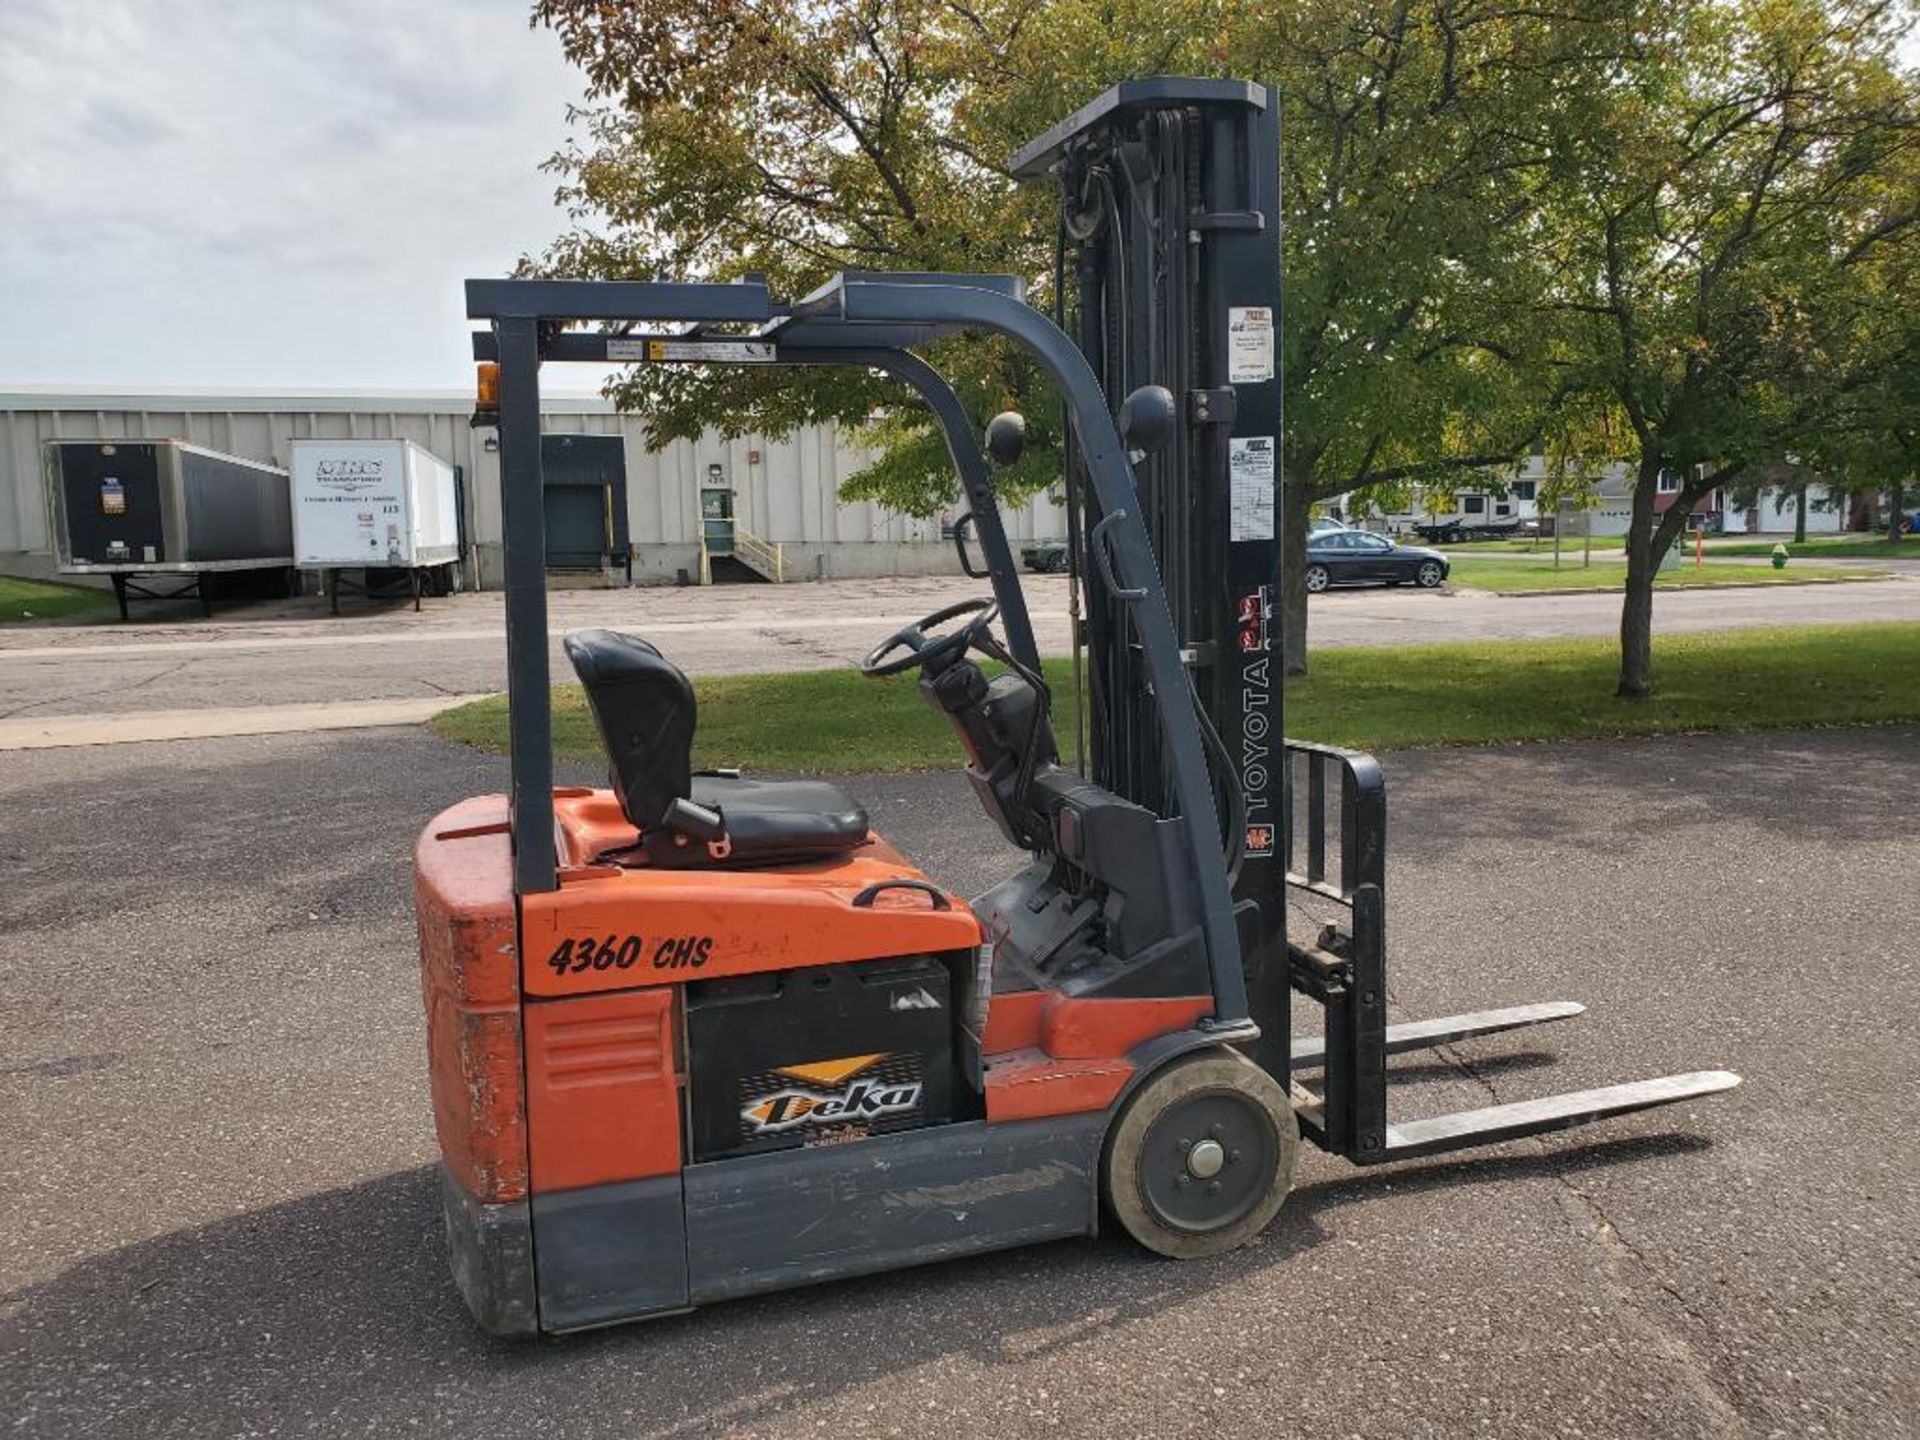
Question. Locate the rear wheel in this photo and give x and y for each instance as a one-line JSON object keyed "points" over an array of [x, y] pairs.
{"points": [[1202, 1157], [1317, 579], [1430, 574]]}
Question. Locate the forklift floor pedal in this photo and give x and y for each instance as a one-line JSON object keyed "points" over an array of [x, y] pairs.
{"points": [[1310, 1050], [1496, 1123]]}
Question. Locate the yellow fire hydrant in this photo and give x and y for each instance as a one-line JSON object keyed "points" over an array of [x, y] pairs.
{"points": [[1779, 557]]}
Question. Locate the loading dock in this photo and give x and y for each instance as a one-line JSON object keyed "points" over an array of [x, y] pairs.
{"points": [[585, 501]]}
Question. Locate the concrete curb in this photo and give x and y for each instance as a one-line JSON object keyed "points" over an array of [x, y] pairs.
{"points": [[1682, 585], [47, 732]]}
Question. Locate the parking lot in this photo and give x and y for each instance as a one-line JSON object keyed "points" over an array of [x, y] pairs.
{"points": [[293, 654], [222, 1216]]}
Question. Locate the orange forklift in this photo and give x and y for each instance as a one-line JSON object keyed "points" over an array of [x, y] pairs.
{"points": [[697, 1035]]}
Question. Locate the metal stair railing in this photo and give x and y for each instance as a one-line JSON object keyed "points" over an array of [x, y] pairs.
{"points": [[764, 556]]}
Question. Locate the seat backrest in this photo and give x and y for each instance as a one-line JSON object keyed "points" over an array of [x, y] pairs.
{"points": [[644, 709]]}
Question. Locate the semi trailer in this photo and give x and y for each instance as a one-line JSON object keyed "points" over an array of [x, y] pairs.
{"points": [[143, 510]]}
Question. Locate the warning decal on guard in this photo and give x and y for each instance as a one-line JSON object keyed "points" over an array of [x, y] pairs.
{"points": [[737, 352], [1250, 466], [1249, 344]]}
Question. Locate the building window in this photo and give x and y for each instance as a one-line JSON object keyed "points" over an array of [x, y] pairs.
{"points": [[1473, 504], [1669, 483], [1524, 489]]}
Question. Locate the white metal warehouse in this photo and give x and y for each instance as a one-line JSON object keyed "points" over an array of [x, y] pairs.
{"points": [[781, 496]]}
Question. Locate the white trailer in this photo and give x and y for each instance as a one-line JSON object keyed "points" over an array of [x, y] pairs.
{"points": [[386, 508]]}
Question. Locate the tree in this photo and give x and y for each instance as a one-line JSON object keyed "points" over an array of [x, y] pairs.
{"points": [[1417, 137], [1867, 432], [1876, 438], [793, 141], [1710, 200], [1634, 230], [729, 137]]}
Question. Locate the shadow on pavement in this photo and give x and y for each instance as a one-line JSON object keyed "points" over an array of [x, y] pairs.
{"points": [[336, 1310]]}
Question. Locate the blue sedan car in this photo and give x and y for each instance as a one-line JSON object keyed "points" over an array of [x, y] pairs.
{"points": [[1358, 557]]}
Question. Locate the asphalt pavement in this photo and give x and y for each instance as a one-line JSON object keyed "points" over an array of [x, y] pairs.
{"points": [[293, 653], [221, 1217]]}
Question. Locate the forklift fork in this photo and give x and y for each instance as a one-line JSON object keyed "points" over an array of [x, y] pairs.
{"points": [[1345, 971]]}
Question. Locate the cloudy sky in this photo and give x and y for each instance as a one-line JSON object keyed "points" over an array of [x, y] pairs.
{"points": [[241, 193], [246, 193]]}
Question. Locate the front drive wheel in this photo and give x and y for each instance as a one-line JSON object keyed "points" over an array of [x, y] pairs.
{"points": [[1202, 1156], [1317, 578], [1430, 574]]}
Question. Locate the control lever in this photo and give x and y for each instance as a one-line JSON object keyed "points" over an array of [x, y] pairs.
{"points": [[695, 821]]}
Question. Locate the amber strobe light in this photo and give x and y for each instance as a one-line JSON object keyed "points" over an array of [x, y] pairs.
{"points": [[486, 393]]}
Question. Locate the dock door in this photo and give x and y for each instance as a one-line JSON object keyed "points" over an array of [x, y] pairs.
{"points": [[585, 501]]}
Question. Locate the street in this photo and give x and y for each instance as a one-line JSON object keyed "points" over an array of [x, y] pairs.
{"points": [[222, 1217], [293, 654]]}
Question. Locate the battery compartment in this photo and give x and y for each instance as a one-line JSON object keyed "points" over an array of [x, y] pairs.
{"points": [[824, 1054]]}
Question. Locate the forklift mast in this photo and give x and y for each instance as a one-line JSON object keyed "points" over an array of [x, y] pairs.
{"points": [[1169, 277], [1170, 233]]}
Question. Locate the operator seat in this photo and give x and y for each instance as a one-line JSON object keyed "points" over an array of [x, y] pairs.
{"points": [[644, 709]]}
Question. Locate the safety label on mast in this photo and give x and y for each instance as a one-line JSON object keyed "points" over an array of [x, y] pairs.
{"points": [[1250, 467], [1249, 344]]}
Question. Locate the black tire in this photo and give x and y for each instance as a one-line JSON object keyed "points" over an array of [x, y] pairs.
{"points": [[1160, 1182], [1317, 579], [1430, 574]]}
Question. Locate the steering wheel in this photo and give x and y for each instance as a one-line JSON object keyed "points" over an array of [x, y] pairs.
{"points": [[923, 648]]}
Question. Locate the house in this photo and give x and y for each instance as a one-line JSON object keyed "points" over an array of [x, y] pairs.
{"points": [[1770, 510]]}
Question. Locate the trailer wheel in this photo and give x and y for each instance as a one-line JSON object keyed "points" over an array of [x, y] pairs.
{"points": [[1317, 579], [1201, 1157]]}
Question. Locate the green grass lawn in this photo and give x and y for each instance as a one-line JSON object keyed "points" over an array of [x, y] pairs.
{"points": [[1512, 573], [1568, 547], [40, 600], [1851, 547], [1827, 547], [836, 722]]}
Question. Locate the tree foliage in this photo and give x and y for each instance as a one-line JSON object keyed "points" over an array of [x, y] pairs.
{"points": [[793, 142], [1654, 232], [1715, 198], [1862, 430]]}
